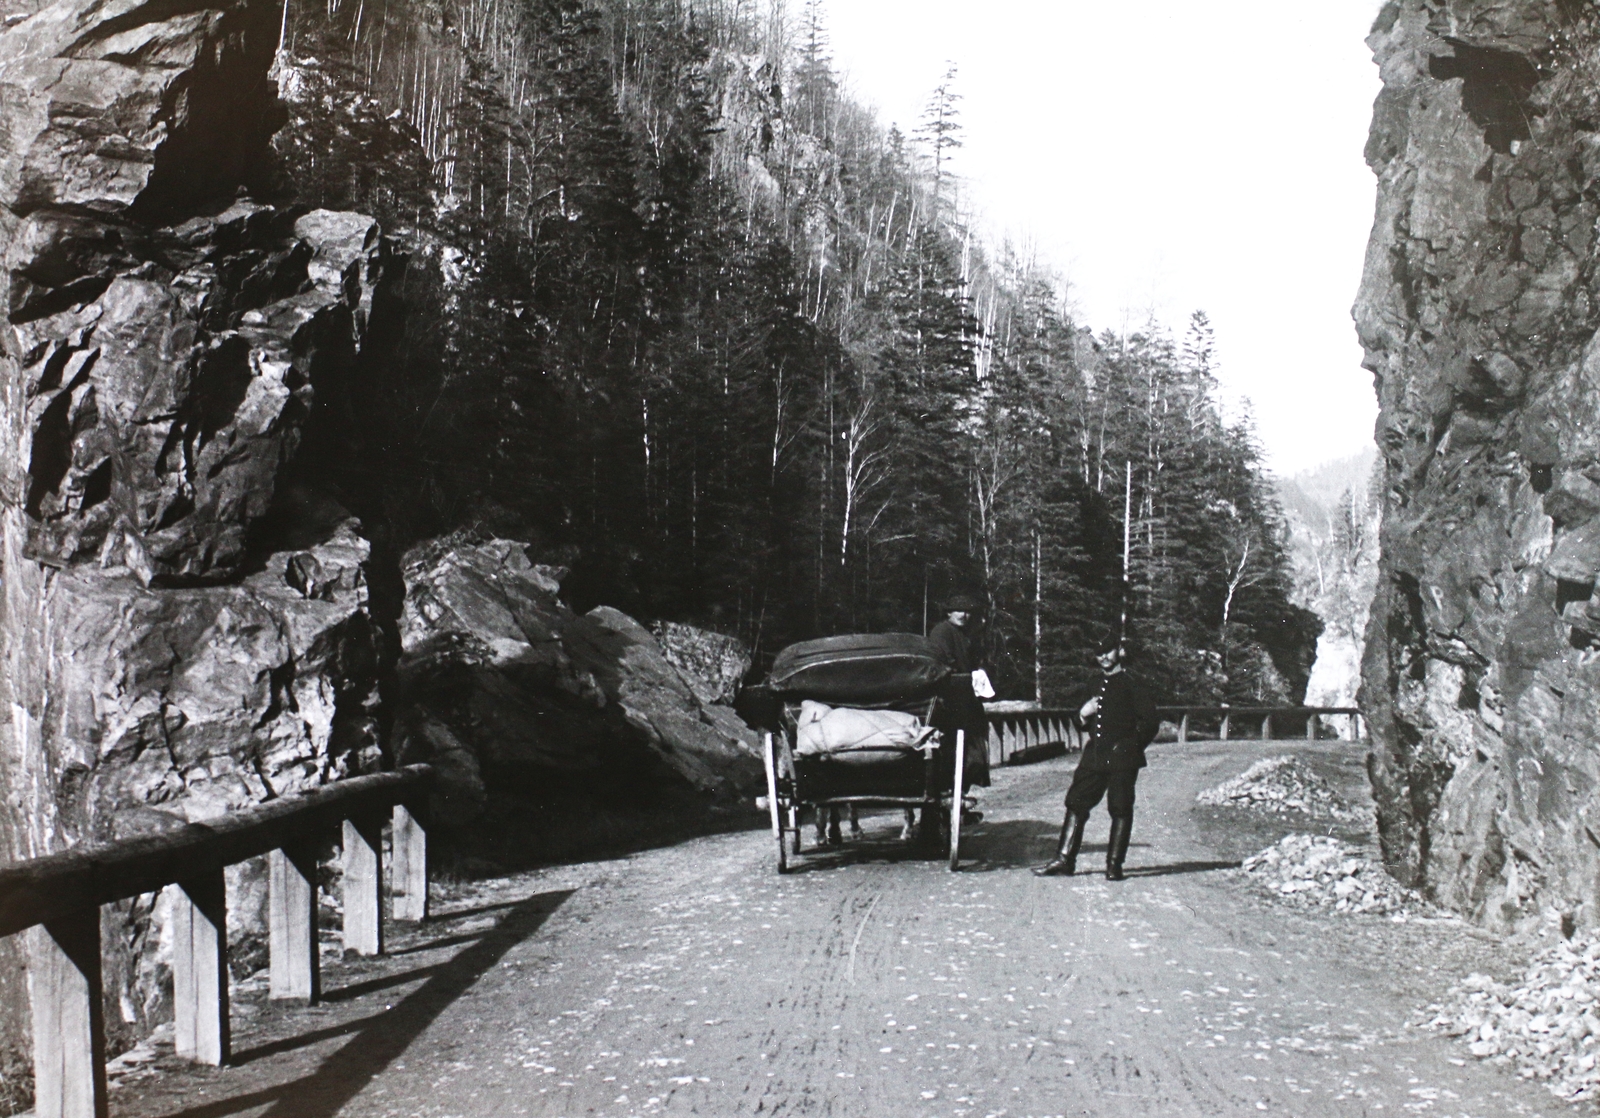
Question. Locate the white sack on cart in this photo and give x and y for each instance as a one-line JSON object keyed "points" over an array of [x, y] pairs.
{"points": [[824, 729]]}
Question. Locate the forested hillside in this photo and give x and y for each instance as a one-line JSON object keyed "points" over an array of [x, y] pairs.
{"points": [[713, 337]]}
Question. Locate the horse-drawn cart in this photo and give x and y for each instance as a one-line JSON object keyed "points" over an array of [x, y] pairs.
{"points": [[858, 728]]}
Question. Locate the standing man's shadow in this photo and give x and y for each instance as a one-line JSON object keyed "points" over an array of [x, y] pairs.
{"points": [[1018, 843]]}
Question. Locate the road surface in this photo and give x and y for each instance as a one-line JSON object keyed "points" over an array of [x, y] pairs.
{"points": [[693, 980]]}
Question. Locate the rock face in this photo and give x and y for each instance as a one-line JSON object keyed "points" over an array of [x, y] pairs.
{"points": [[1478, 311], [184, 631], [712, 664], [516, 699]]}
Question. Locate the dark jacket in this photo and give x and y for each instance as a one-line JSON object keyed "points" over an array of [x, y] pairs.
{"points": [[951, 645], [959, 707], [1125, 723]]}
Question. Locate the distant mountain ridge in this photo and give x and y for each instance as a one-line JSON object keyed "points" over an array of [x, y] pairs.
{"points": [[1311, 493]]}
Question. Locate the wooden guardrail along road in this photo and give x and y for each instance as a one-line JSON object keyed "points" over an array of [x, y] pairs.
{"points": [[1021, 736], [1308, 716], [1017, 737], [59, 897]]}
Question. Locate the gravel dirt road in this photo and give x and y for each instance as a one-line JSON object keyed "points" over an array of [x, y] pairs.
{"points": [[694, 980]]}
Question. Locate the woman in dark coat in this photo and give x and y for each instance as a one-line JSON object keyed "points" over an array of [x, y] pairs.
{"points": [[959, 706]]}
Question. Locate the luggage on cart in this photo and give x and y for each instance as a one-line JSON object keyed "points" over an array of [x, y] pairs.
{"points": [[860, 669]]}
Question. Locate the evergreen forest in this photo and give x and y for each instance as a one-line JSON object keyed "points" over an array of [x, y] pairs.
{"points": [[702, 330]]}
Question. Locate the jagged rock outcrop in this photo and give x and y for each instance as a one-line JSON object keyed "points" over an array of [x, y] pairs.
{"points": [[184, 631], [713, 664], [510, 694], [1478, 311]]}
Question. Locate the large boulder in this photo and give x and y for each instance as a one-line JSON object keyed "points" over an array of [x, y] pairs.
{"points": [[196, 701], [510, 693], [704, 741], [1479, 312]]}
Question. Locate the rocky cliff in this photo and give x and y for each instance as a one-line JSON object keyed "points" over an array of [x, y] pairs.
{"points": [[1478, 311], [184, 630]]}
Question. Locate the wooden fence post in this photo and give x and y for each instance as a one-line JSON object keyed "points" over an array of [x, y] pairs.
{"points": [[200, 969], [408, 882], [1266, 727], [1223, 732], [296, 964], [69, 1033], [1183, 729], [363, 885], [997, 753]]}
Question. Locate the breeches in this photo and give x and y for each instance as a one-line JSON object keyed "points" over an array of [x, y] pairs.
{"points": [[1089, 786]]}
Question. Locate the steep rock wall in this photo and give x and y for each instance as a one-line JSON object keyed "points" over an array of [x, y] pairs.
{"points": [[1478, 312], [183, 631]]}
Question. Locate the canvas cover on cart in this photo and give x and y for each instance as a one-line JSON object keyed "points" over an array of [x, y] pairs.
{"points": [[860, 669]]}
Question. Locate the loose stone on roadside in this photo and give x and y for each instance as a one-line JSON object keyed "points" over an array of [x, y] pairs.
{"points": [[1281, 785], [1316, 871], [1546, 1024]]}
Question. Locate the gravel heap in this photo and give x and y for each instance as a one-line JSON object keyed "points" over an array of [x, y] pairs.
{"points": [[1547, 1024], [1282, 784], [1320, 872]]}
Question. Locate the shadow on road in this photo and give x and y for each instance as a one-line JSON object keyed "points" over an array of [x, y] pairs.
{"points": [[1009, 845], [861, 851], [1016, 843], [1178, 868], [1030, 842], [379, 1039], [372, 985]]}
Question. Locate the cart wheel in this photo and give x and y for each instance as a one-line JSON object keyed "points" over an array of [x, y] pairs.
{"points": [[955, 800], [774, 809]]}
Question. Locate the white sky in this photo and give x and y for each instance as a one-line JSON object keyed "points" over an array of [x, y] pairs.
{"points": [[1168, 155]]}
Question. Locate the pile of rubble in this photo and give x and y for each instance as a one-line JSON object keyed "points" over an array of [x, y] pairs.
{"points": [[1547, 1024], [1283, 784], [1320, 872]]}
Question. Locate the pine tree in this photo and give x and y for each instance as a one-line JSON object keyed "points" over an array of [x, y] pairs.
{"points": [[941, 130], [815, 89]]}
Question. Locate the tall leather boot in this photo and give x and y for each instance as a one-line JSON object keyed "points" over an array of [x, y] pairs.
{"points": [[1117, 846], [1065, 863]]}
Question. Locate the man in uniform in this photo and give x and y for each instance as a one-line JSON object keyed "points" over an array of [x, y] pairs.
{"points": [[1121, 719]]}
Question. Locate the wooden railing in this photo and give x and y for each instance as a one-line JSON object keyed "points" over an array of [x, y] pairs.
{"points": [[1262, 718], [59, 896], [1020, 736], [1017, 737]]}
